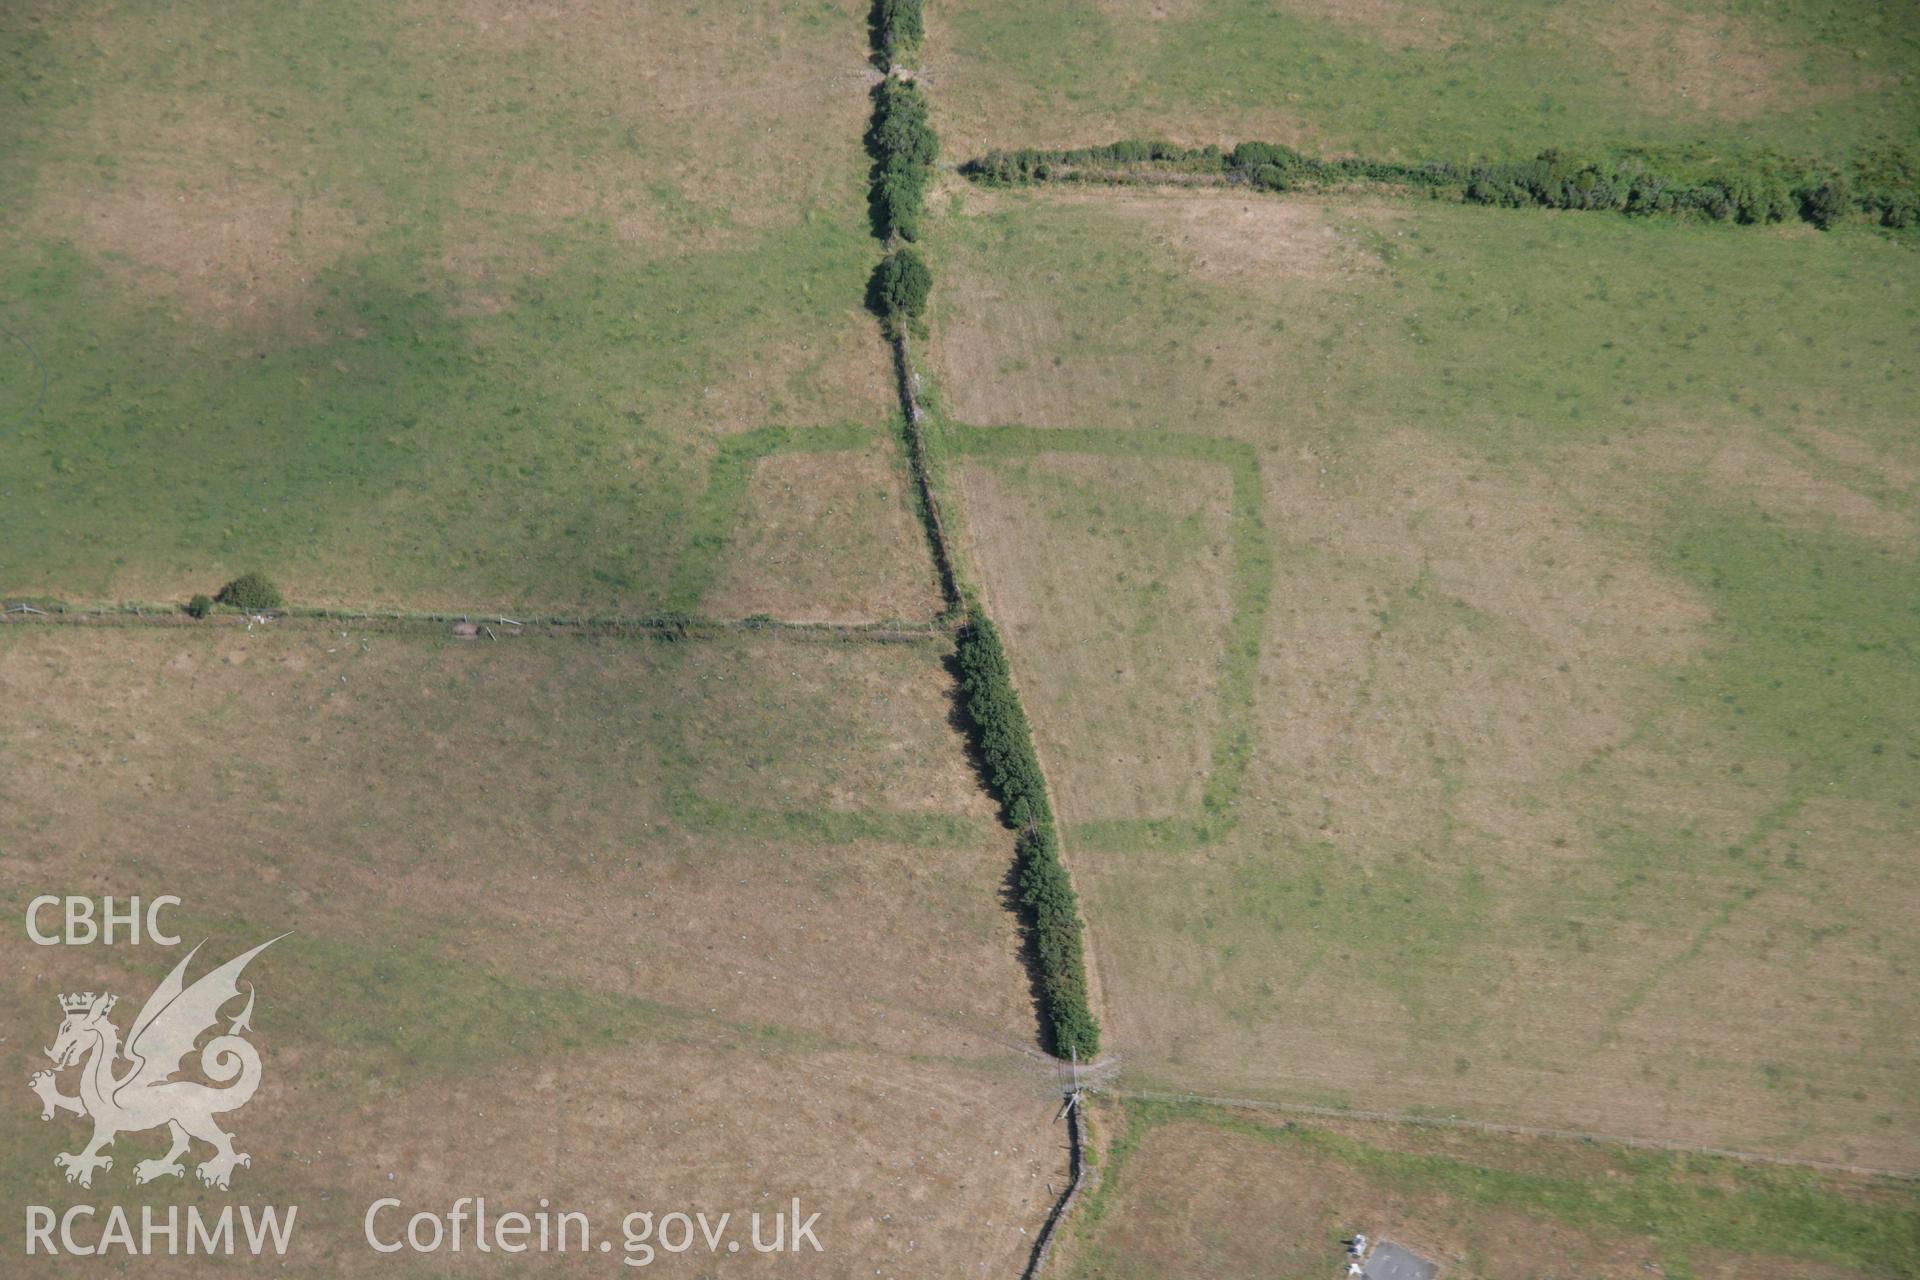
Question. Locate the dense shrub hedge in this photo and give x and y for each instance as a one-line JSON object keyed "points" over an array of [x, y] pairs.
{"points": [[904, 148], [1046, 894], [1005, 739], [1053, 914], [1763, 189], [898, 26]]}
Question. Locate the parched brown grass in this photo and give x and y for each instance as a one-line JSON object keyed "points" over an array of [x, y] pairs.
{"points": [[194, 214], [1170, 340], [1445, 635], [497, 917], [1110, 578], [432, 305], [832, 725], [555, 119], [1710, 62], [1492, 860], [1578, 737], [706, 127], [828, 537], [1788, 488]]}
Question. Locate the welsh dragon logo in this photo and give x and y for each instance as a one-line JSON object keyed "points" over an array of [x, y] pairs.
{"points": [[145, 1094]]}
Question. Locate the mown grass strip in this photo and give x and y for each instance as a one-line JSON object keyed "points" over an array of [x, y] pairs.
{"points": [[1250, 591]]}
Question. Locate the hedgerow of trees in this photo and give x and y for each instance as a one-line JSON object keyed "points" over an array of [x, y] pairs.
{"points": [[1766, 189], [904, 148], [1005, 742], [898, 26]]}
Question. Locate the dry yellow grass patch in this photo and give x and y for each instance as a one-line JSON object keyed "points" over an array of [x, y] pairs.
{"points": [[833, 725], [916, 1168], [1845, 448], [521, 784], [849, 1023], [1018, 346], [194, 213], [828, 537], [1722, 65], [1784, 486], [1431, 899], [1444, 630], [846, 366], [1233, 238], [1110, 578], [707, 125]]}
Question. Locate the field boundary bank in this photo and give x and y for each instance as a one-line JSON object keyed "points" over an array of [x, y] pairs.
{"points": [[489, 625], [923, 479], [1509, 1130], [1250, 594], [713, 520], [905, 149], [1076, 1183]]}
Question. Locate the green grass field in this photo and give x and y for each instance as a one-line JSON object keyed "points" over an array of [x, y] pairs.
{"points": [[1428, 79], [1586, 669], [471, 332]]}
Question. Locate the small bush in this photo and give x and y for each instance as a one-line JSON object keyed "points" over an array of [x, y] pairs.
{"points": [[251, 591], [200, 606], [901, 285], [1826, 203]]}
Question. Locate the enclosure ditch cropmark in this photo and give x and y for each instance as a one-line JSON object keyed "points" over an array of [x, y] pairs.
{"points": [[1250, 590]]}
